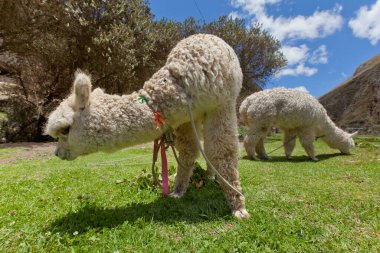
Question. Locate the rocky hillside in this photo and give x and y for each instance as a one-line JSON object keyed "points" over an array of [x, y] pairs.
{"points": [[355, 103]]}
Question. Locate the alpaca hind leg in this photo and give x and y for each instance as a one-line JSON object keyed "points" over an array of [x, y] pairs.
{"points": [[307, 138], [260, 149], [251, 141], [289, 143], [221, 148], [188, 152]]}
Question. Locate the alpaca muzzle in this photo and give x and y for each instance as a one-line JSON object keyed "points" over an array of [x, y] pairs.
{"points": [[63, 154]]}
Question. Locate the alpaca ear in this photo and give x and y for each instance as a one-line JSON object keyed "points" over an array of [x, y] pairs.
{"points": [[353, 134], [82, 90]]}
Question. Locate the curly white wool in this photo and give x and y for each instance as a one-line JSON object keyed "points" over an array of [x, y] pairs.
{"points": [[297, 114], [201, 69]]}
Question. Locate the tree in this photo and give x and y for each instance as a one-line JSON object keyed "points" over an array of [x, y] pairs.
{"points": [[118, 42]]}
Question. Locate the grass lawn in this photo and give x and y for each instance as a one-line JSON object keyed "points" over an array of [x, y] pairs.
{"points": [[49, 205]]}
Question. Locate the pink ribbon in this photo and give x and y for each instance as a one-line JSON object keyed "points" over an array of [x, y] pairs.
{"points": [[165, 174], [164, 164]]}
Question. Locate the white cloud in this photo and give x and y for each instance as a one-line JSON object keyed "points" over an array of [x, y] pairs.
{"points": [[320, 24], [299, 70], [235, 15], [253, 7], [288, 30], [301, 88], [298, 56], [319, 56], [366, 24], [295, 55]]}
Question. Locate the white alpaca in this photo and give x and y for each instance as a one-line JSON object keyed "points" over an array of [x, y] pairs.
{"points": [[201, 70], [297, 114]]}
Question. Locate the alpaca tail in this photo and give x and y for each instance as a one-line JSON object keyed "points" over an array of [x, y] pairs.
{"points": [[243, 119]]}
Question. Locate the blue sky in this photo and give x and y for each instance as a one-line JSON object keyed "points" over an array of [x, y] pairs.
{"points": [[324, 41]]}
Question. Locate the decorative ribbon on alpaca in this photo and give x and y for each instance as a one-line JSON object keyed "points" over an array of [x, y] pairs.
{"points": [[155, 154], [157, 116], [165, 174], [142, 100], [160, 143], [159, 119]]}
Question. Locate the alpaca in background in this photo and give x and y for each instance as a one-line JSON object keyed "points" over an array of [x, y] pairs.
{"points": [[297, 114]]}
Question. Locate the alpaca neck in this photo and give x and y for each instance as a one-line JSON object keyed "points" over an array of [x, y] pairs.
{"points": [[144, 127], [332, 134], [131, 122]]}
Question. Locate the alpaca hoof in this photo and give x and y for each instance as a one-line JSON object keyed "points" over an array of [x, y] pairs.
{"points": [[176, 195], [241, 214], [314, 159], [268, 158], [255, 158], [211, 177], [288, 157]]}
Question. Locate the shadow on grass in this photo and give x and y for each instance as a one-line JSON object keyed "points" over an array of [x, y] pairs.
{"points": [[295, 159], [207, 203]]}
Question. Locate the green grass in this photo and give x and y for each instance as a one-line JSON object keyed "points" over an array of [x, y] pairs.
{"points": [[9, 152], [49, 205]]}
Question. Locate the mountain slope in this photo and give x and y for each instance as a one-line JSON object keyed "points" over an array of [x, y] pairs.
{"points": [[355, 103]]}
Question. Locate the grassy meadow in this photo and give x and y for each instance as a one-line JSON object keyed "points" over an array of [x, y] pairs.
{"points": [[105, 203]]}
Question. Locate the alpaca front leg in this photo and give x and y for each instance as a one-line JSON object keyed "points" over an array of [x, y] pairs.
{"points": [[185, 143], [307, 138], [289, 143], [221, 148], [260, 150], [210, 173]]}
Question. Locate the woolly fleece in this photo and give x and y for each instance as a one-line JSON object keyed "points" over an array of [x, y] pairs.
{"points": [[201, 70], [297, 114]]}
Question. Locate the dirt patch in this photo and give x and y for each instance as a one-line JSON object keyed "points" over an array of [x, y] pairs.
{"points": [[27, 150]]}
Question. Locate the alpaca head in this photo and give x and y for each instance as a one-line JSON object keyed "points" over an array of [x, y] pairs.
{"points": [[346, 143], [69, 122]]}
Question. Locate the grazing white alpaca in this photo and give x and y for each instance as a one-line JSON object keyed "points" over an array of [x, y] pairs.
{"points": [[201, 70], [294, 112]]}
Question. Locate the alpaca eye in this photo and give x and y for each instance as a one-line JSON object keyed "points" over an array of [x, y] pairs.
{"points": [[165, 80], [66, 130]]}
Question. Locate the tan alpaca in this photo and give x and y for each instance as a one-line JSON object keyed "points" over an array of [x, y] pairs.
{"points": [[201, 70], [297, 114]]}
